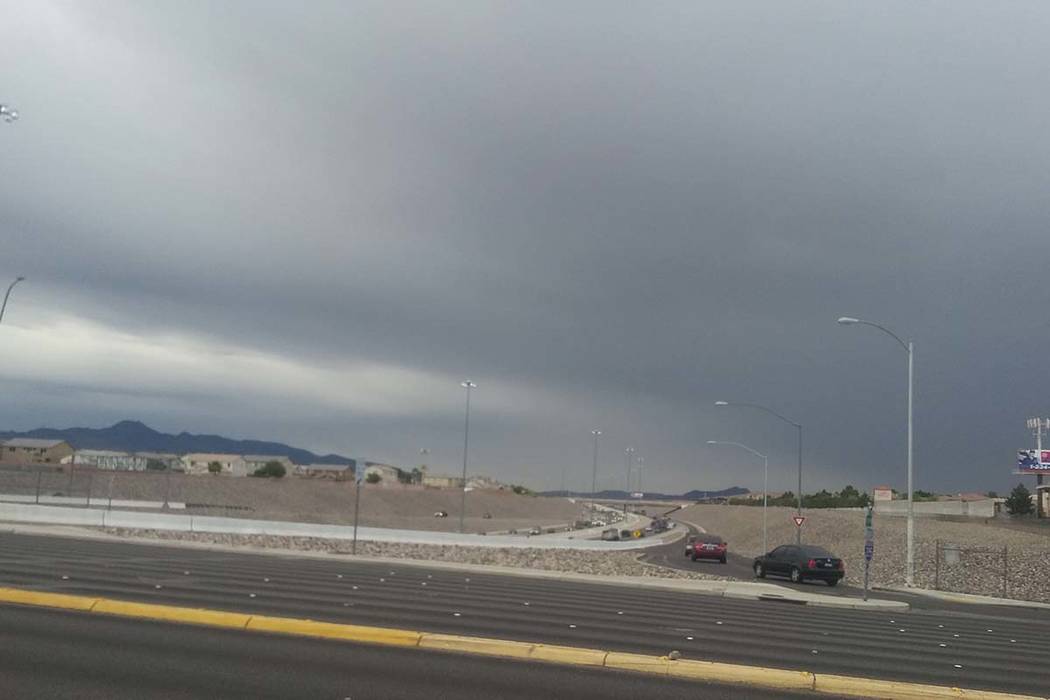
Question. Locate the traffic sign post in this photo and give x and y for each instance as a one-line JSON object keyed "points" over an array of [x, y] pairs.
{"points": [[869, 547], [799, 519]]}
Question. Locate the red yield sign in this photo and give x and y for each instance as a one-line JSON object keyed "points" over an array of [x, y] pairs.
{"points": [[799, 519]]}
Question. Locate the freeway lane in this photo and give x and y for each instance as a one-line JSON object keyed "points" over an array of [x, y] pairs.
{"points": [[979, 651], [49, 654]]}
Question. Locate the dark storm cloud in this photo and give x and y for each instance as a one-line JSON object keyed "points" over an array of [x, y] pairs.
{"points": [[631, 212]]}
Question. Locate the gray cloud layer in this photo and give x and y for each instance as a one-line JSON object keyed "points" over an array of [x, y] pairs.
{"points": [[605, 214]]}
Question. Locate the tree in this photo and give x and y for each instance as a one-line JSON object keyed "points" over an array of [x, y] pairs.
{"points": [[273, 468], [849, 492], [155, 465], [214, 467], [373, 478], [1019, 502], [992, 494]]}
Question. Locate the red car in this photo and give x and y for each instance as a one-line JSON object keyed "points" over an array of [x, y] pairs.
{"points": [[706, 546]]}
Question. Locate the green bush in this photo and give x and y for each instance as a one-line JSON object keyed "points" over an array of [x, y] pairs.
{"points": [[214, 467], [1019, 502], [373, 478], [272, 468]]}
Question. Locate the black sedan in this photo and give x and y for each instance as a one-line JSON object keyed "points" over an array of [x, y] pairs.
{"points": [[801, 562]]}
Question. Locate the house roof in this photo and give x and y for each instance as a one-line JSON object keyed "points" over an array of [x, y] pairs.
{"points": [[32, 442], [327, 467], [102, 453], [266, 458], [212, 457], [157, 455]]}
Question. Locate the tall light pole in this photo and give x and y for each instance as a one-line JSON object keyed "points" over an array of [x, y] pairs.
{"points": [[765, 483], [629, 452], [9, 288], [468, 385], [594, 469], [8, 113], [639, 468], [798, 427], [909, 347]]}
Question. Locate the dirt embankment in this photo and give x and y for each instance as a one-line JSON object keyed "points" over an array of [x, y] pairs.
{"points": [[979, 568]]}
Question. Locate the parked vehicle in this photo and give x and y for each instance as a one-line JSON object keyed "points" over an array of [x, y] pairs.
{"points": [[707, 546], [612, 534], [801, 562]]}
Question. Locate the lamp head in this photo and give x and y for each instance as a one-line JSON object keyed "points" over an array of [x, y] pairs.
{"points": [[712, 442], [848, 320], [721, 403]]}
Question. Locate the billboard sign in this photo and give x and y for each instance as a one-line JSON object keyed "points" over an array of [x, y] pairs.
{"points": [[1033, 461]]}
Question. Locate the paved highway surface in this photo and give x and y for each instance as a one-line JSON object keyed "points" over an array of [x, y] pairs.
{"points": [[49, 654], [930, 646]]}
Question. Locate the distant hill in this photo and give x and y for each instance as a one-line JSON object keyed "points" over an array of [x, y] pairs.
{"points": [[694, 495], [133, 436]]}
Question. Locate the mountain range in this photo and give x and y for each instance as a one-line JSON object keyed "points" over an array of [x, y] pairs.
{"points": [[134, 436]]}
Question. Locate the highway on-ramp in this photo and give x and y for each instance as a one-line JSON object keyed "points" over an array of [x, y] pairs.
{"points": [[927, 646]]}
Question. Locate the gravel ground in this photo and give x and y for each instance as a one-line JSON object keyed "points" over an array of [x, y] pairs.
{"points": [[305, 500], [582, 562], [980, 567]]}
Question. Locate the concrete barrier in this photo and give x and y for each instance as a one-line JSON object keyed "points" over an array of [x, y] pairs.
{"points": [[972, 509], [20, 513]]}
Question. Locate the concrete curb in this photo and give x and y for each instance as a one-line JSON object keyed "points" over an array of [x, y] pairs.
{"points": [[740, 590], [968, 598], [706, 671]]}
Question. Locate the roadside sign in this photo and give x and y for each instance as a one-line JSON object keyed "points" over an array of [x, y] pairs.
{"points": [[799, 519], [869, 550]]}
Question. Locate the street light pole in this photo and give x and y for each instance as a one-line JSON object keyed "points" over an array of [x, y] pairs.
{"points": [[468, 385], [594, 469], [765, 484], [3, 306], [798, 427], [909, 347]]}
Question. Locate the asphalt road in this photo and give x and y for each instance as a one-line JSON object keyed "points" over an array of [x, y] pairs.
{"points": [[51, 654], [929, 646]]}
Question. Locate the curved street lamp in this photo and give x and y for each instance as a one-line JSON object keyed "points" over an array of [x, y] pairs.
{"points": [[9, 288], [798, 426], [765, 483], [909, 347], [468, 385]]}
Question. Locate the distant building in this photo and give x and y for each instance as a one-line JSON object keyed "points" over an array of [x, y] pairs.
{"points": [[232, 465], [483, 483], [337, 472], [36, 451], [387, 473], [162, 460], [882, 493], [438, 481], [109, 459], [254, 462]]}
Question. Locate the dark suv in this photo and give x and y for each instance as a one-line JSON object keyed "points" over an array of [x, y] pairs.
{"points": [[801, 562]]}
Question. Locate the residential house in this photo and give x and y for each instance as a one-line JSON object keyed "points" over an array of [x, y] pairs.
{"points": [[337, 472], [232, 465], [438, 481], [883, 493], [35, 451], [162, 461], [254, 462], [109, 459], [387, 473]]}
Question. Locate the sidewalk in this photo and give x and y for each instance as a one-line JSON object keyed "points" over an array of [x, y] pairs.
{"points": [[969, 598], [741, 590]]}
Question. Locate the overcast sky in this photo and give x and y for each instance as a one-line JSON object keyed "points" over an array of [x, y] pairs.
{"points": [[310, 222]]}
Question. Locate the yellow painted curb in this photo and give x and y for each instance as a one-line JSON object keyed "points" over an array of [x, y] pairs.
{"points": [[896, 690], [332, 630], [170, 613], [716, 672], [573, 656], [706, 671], [642, 663], [47, 600], [476, 645]]}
